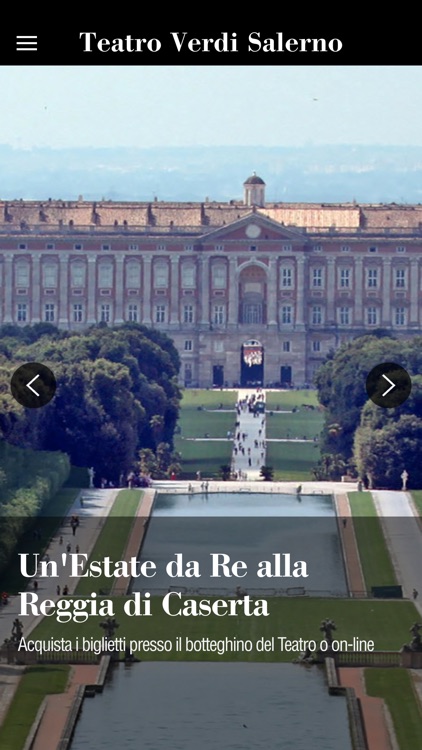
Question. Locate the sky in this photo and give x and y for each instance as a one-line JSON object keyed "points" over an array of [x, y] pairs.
{"points": [[206, 106]]}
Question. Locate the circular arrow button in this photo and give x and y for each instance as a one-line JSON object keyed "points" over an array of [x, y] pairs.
{"points": [[388, 385], [33, 385]]}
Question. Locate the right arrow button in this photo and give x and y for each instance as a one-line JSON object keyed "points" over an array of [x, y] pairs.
{"points": [[399, 382], [392, 385]]}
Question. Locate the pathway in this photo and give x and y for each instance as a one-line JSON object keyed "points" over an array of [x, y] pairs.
{"points": [[355, 579], [374, 710], [59, 705], [249, 444], [404, 538], [92, 515]]}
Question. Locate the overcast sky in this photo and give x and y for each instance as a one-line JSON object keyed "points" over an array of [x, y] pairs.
{"points": [[207, 106]]}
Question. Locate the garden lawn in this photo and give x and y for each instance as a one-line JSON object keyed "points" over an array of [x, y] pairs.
{"points": [[36, 683], [374, 556], [417, 498], [385, 622], [301, 424], [113, 538], [209, 399], [200, 415], [203, 455], [395, 686], [292, 461], [289, 399]]}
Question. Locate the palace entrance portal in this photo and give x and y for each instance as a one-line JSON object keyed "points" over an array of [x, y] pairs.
{"points": [[251, 364]]}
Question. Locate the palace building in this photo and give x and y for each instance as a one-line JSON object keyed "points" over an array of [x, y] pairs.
{"points": [[250, 291]]}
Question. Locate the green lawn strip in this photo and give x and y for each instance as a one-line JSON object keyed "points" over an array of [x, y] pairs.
{"points": [[385, 622], [301, 424], [198, 424], [206, 457], [36, 683], [209, 399], [46, 524], [396, 688], [417, 499], [292, 461], [113, 538], [289, 399], [374, 556]]}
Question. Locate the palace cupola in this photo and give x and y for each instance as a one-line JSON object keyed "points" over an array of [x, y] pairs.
{"points": [[254, 188]]}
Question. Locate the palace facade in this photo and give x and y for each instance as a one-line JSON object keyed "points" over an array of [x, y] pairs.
{"points": [[250, 291]]}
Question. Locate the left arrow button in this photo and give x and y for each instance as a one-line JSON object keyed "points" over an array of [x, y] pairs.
{"points": [[22, 385]]}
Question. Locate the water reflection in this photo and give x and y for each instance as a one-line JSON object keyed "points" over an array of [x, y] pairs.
{"points": [[248, 527], [177, 706]]}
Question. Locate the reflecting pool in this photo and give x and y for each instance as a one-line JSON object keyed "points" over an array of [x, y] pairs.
{"points": [[201, 706]]}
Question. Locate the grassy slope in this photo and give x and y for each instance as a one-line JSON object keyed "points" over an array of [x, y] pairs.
{"points": [[375, 559], [113, 538], [36, 683], [395, 686], [290, 461]]}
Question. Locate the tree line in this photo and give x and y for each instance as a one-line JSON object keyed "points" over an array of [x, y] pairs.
{"points": [[117, 393], [372, 442]]}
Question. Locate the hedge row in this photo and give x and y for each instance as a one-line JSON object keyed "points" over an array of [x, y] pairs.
{"points": [[42, 474]]}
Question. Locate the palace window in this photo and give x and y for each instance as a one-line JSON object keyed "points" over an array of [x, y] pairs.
{"points": [[219, 277], [400, 278], [188, 313], [316, 346], [344, 316], [133, 275], [345, 278], [49, 313], [345, 248], [132, 313], [161, 275], [400, 249], [77, 274], [286, 248], [316, 315], [188, 277], [22, 313], [372, 278], [317, 277], [286, 315], [22, 274], [286, 278], [372, 316], [188, 345], [105, 275], [105, 313], [160, 313], [286, 346], [49, 275], [77, 313], [219, 315], [400, 316]]}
